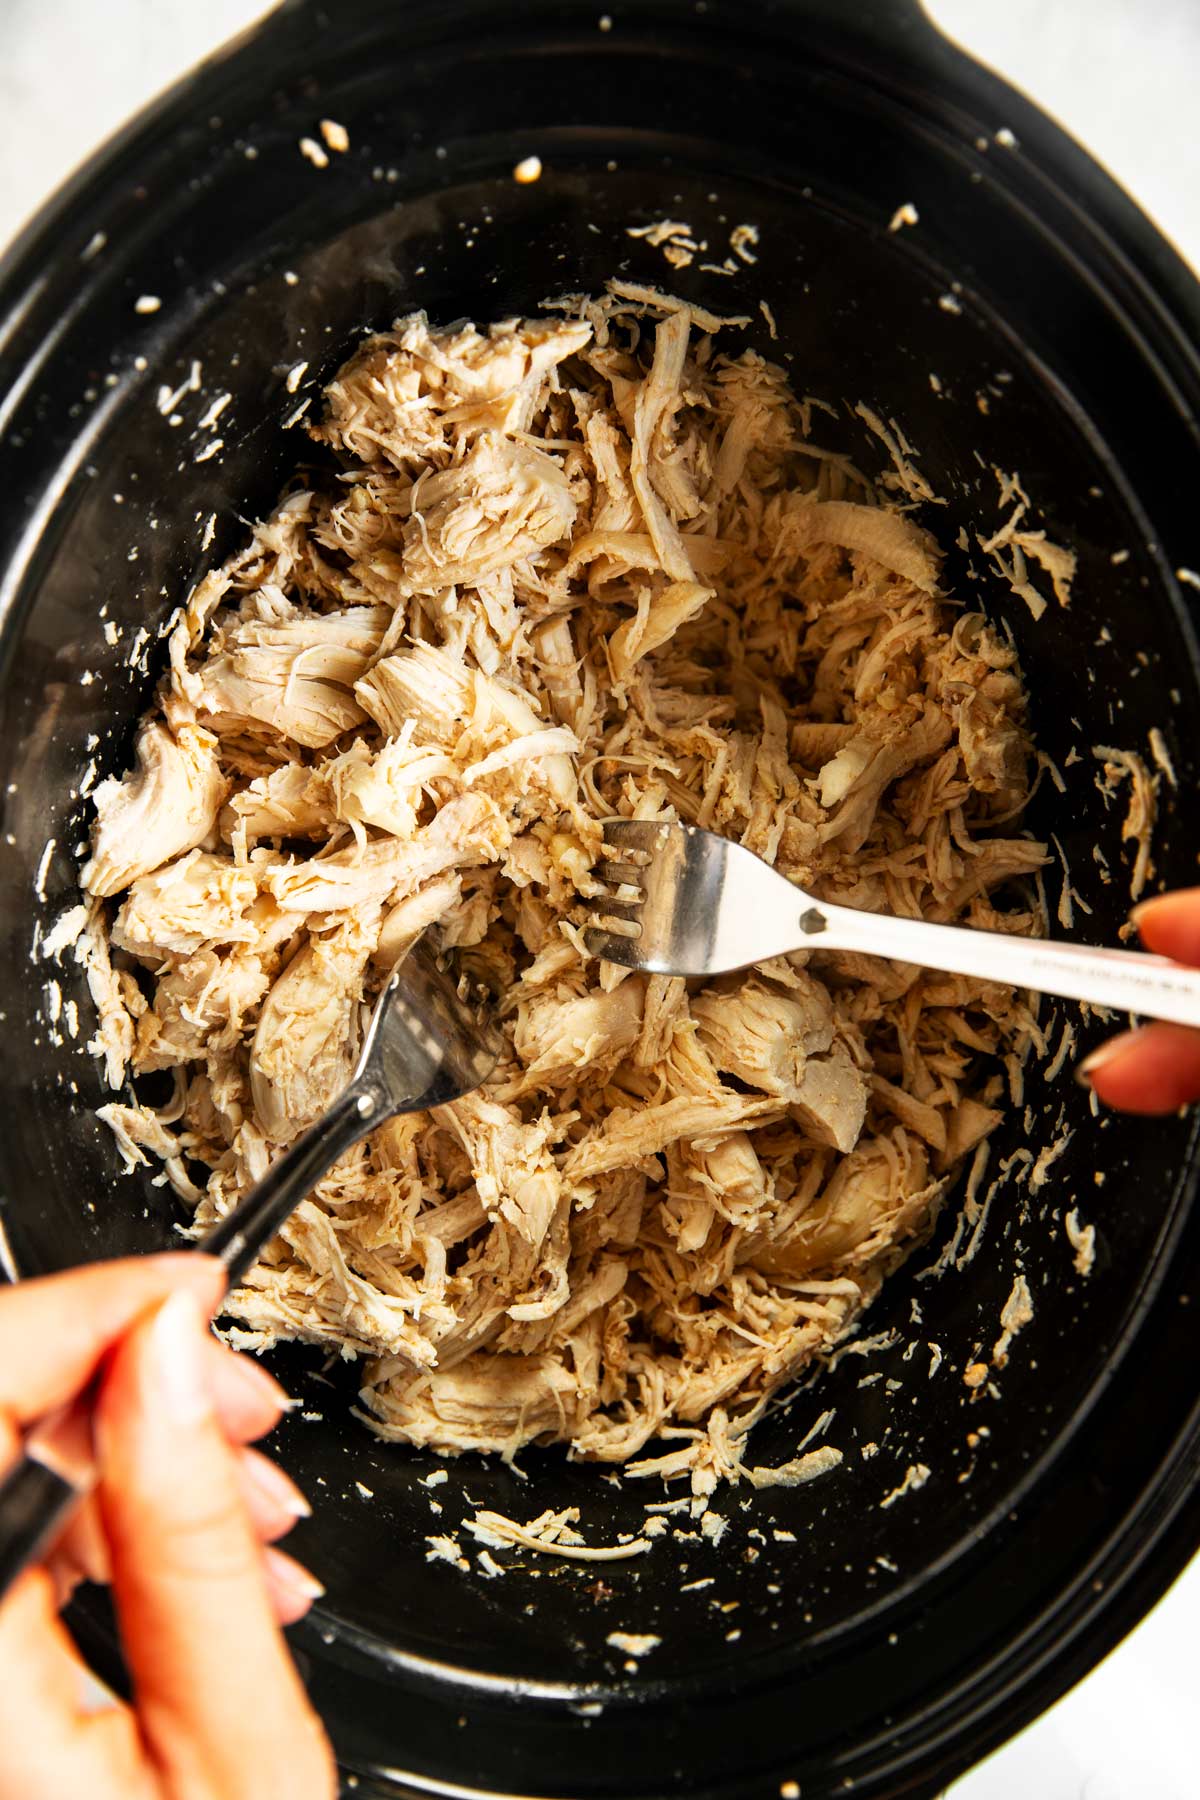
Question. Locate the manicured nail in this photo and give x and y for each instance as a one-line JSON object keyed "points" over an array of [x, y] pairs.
{"points": [[1104, 1053], [276, 1488], [177, 1344], [258, 1382], [290, 1582]]}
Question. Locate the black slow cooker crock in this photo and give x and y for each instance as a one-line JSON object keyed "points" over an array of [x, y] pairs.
{"points": [[1032, 320]]}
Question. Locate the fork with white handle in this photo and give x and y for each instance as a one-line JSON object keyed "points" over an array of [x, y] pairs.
{"points": [[687, 902]]}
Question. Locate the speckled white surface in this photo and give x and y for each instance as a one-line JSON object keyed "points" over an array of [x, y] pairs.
{"points": [[1122, 75]]}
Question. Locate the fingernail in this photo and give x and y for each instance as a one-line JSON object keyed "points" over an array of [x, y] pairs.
{"points": [[177, 1345], [259, 1382], [1104, 1053], [290, 1579], [276, 1488]]}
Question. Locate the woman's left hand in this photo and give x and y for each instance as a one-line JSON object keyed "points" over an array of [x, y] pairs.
{"points": [[182, 1524]]}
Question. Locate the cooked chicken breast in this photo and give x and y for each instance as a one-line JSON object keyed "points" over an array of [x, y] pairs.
{"points": [[570, 568]]}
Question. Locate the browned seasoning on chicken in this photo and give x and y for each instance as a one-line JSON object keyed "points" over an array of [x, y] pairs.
{"points": [[571, 567]]}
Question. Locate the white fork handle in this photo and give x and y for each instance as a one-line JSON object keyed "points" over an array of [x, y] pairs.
{"points": [[1126, 980]]}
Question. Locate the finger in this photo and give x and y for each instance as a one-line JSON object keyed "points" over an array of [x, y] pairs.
{"points": [[1155, 1069], [54, 1331], [249, 1401], [192, 1597], [289, 1584], [51, 1745], [1170, 924], [76, 1545], [81, 1553], [272, 1499], [66, 1575]]}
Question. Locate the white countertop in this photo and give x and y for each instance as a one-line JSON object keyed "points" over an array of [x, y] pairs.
{"points": [[1122, 76]]}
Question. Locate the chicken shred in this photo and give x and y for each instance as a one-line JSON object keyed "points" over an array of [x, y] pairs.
{"points": [[1138, 828], [569, 568], [168, 805]]}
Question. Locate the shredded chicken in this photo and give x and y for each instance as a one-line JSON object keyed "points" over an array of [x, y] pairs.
{"points": [[569, 568], [1138, 828], [1011, 547], [1014, 1316], [167, 805], [550, 1534]]}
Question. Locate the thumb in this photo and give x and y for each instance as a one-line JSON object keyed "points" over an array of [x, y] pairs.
{"points": [[192, 1596], [1155, 1069]]}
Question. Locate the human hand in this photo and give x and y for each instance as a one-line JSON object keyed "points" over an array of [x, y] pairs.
{"points": [[181, 1523], [1156, 1068]]}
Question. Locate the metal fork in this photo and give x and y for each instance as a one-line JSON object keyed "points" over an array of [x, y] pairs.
{"points": [[425, 1045], [690, 903]]}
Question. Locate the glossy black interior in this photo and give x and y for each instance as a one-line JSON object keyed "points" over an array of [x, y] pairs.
{"points": [[882, 1647]]}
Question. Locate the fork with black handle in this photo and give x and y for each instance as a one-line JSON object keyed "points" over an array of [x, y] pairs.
{"points": [[686, 902]]}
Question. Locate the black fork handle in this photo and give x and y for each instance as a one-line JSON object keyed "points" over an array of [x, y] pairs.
{"points": [[35, 1501], [241, 1236]]}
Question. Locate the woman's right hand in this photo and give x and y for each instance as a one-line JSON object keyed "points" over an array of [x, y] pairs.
{"points": [[181, 1524], [1156, 1068]]}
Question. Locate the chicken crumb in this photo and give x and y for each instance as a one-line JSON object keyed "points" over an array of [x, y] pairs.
{"points": [[743, 240], [551, 1534], [337, 138], [446, 1549], [633, 1643], [673, 237], [915, 1476], [1138, 827], [1015, 1314], [1082, 1239], [1162, 756]]}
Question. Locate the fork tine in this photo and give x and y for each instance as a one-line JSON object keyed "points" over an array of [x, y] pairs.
{"points": [[604, 908], [613, 949], [624, 835], [619, 873]]}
